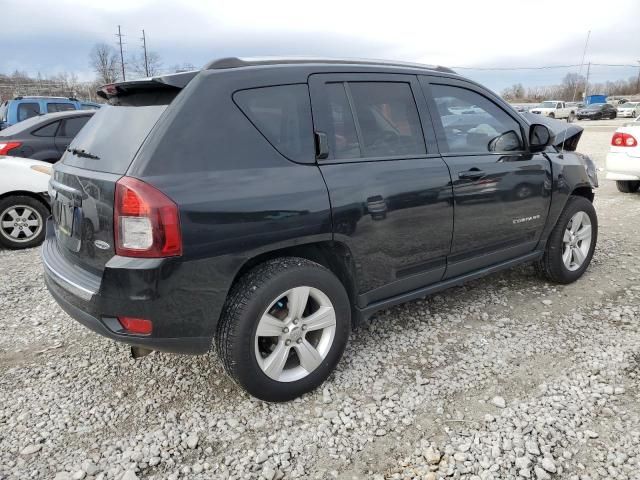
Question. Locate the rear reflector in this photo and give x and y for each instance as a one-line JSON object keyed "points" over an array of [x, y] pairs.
{"points": [[141, 326], [621, 139], [146, 221], [6, 146]]}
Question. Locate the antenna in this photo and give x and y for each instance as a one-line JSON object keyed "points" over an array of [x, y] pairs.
{"points": [[144, 48], [575, 90], [119, 35]]}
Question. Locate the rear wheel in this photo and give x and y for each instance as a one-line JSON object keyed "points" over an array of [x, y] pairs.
{"points": [[572, 242], [552, 115], [22, 222], [628, 186], [284, 328]]}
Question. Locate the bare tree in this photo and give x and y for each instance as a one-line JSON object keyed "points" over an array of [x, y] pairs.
{"points": [[137, 64], [514, 92], [104, 61]]}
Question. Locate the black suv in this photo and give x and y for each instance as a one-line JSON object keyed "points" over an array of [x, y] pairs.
{"points": [[271, 204]]}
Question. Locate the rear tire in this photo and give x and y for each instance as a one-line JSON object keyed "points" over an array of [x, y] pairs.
{"points": [[22, 222], [552, 115], [572, 242], [628, 186], [283, 329]]}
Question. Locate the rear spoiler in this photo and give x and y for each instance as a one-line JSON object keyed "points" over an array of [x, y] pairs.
{"points": [[162, 86]]}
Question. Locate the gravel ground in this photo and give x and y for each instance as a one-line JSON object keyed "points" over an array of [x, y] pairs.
{"points": [[507, 377]]}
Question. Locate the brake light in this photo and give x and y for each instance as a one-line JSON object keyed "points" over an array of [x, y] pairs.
{"points": [[6, 146], [621, 139], [146, 221], [141, 326]]}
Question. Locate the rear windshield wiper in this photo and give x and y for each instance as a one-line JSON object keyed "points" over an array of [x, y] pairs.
{"points": [[83, 154]]}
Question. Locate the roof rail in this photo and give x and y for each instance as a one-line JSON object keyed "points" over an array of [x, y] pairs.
{"points": [[237, 62]]}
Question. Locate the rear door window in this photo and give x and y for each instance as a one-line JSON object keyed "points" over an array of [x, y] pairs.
{"points": [[48, 130], [28, 110], [388, 120], [282, 114], [60, 107], [344, 141]]}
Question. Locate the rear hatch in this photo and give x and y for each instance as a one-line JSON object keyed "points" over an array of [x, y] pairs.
{"points": [[82, 188]]}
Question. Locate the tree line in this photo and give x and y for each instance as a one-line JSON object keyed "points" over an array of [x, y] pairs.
{"points": [[573, 87]]}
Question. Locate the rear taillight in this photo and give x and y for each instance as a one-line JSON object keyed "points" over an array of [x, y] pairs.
{"points": [[140, 326], [146, 221], [6, 146], [621, 139]]}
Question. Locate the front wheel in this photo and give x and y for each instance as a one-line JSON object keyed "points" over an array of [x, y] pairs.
{"points": [[284, 328], [552, 115], [625, 186], [572, 242]]}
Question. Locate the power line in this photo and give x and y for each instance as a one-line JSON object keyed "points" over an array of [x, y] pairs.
{"points": [[548, 67]]}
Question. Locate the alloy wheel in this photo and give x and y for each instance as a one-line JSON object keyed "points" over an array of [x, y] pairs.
{"points": [[295, 334], [576, 241], [20, 223]]}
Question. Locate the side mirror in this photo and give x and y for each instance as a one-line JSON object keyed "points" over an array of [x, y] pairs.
{"points": [[539, 137]]}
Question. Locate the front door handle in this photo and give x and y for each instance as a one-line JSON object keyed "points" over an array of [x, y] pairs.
{"points": [[471, 174]]}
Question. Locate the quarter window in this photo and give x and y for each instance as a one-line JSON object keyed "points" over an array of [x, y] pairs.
{"points": [[28, 110], [46, 131], [344, 141], [474, 124], [283, 115], [73, 125]]}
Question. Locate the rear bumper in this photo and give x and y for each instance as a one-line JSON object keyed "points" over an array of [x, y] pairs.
{"points": [[182, 323], [621, 166]]}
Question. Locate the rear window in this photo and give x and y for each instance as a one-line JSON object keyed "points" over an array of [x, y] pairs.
{"points": [[113, 135], [60, 107], [28, 110], [283, 115]]}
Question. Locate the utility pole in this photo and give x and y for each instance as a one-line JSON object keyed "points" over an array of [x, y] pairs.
{"points": [[144, 47], [586, 84], [119, 35]]}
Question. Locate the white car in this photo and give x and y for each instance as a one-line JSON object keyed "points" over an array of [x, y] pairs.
{"points": [[623, 159], [24, 204], [555, 109], [629, 109]]}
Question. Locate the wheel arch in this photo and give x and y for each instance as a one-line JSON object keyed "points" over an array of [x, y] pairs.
{"points": [[333, 255], [584, 191], [25, 193]]}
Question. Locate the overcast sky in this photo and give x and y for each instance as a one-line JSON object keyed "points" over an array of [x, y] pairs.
{"points": [[56, 36]]}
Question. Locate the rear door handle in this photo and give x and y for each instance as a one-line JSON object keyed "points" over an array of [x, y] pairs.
{"points": [[471, 174]]}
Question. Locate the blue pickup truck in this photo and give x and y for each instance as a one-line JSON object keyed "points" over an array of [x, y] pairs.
{"points": [[20, 108]]}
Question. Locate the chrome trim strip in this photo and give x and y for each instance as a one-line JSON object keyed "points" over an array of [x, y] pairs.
{"points": [[80, 291]]}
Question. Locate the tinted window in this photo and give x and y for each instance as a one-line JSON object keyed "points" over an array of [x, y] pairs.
{"points": [[344, 140], [48, 130], [60, 107], [130, 125], [473, 123], [388, 119], [283, 115], [73, 125], [28, 110]]}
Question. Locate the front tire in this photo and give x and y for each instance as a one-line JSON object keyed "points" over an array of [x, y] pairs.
{"points": [[22, 222], [572, 242], [625, 186], [284, 328]]}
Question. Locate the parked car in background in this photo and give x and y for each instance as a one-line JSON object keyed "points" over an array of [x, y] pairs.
{"points": [[314, 194], [24, 202], [597, 111], [555, 109], [44, 137], [623, 159], [629, 109], [23, 108]]}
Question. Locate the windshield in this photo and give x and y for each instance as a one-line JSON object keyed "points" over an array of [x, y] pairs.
{"points": [[547, 105], [628, 105]]}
